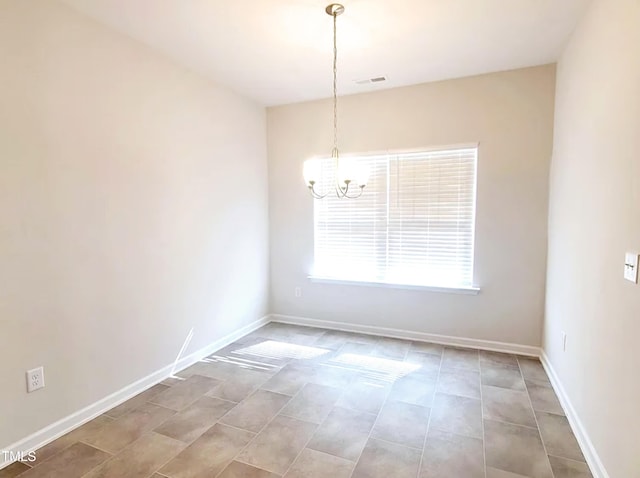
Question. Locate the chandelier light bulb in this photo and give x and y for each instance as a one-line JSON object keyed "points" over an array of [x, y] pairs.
{"points": [[362, 175], [312, 171]]}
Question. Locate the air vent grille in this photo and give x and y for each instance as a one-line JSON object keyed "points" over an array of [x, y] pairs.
{"points": [[369, 81]]}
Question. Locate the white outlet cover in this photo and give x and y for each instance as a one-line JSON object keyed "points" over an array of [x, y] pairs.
{"points": [[35, 379], [631, 267]]}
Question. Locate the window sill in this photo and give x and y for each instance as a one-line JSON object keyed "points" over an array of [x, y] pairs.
{"points": [[427, 288]]}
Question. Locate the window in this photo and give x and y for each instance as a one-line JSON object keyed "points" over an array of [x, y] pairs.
{"points": [[413, 224]]}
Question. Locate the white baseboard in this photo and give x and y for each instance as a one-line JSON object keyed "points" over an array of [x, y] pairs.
{"points": [[411, 335], [73, 421], [588, 450]]}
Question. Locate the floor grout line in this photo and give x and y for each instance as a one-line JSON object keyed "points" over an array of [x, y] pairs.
{"points": [[484, 439], [291, 398], [367, 440], [235, 458], [433, 398], [544, 447], [305, 446], [568, 459], [384, 402]]}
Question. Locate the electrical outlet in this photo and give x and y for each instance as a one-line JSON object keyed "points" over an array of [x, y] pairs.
{"points": [[35, 379], [298, 292], [564, 342]]}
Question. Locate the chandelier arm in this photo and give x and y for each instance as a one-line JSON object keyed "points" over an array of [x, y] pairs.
{"points": [[357, 195], [315, 194], [341, 192]]}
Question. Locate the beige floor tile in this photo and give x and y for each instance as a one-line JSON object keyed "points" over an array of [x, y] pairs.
{"points": [[330, 374], [447, 455], [250, 338], [242, 470], [455, 414], [515, 449], [391, 348], [365, 338], [365, 364], [498, 358], [196, 419], [543, 397], [294, 334], [173, 380], [402, 423], [541, 382], [239, 387], [427, 348], [365, 395], [82, 433], [344, 433], [414, 390], [136, 401], [142, 458], [563, 468], [212, 368], [13, 470], [423, 364], [114, 436], [256, 411], [260, 354], [460, 358], [465, 383], [305, 340], [289, 380], [496, 473], [499, 375], [73, 462], [334, 339], [508, 406], [278, 380], [313, 403], [315, 464], [381, 459], [361, 348], [558, 437], [209, 454], [182, 395], [277, 446], [316, 356], [532, 369]]}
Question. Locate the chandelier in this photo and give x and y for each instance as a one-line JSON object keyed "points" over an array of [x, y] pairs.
{"points": [[350, 177]]}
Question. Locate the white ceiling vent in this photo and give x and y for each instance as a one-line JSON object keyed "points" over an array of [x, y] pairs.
{"points": [[369, 81]]}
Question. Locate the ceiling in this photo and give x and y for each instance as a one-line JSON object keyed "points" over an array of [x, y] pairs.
{"points": [[279, 51]]}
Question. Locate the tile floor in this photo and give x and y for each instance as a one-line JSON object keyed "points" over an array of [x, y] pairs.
{"points": [[298, 402]]}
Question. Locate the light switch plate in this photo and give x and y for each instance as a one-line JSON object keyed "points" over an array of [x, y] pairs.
{"points": [[631, 267]]}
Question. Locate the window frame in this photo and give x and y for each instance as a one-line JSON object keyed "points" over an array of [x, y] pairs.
{"points": [[471, 289]]}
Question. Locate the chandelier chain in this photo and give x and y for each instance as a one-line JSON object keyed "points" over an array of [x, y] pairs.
{"points": [[335, 87], [349, 187]]}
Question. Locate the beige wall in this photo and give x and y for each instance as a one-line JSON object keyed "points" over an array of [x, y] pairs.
{"points": [[132, 209], [511, 115], [594, 220]]}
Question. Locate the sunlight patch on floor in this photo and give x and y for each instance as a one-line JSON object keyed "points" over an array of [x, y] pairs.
{"points": [[376, 368]]}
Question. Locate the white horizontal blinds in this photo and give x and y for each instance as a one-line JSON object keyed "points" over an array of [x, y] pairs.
{"points": [[431, 218], [350, 234]]}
